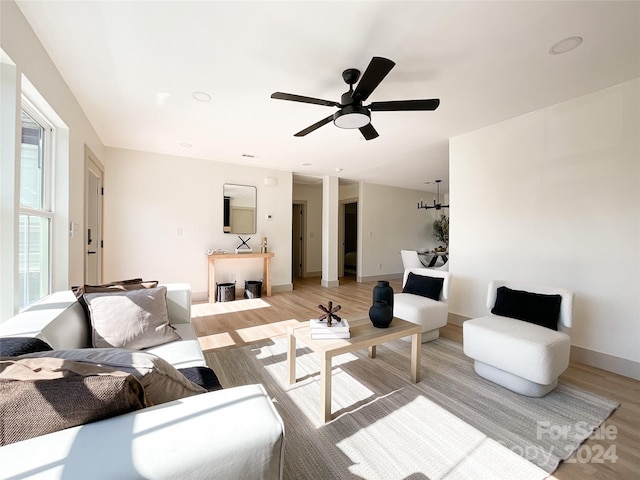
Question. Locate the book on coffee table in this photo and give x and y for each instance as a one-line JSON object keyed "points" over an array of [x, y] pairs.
{"points": [[320, 329], [321, 325], [329, 335]]}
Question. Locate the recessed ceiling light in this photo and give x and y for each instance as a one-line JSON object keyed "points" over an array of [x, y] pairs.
{"points": [[248, 155], [201, 96], [161, 98], [338, 169], [185, 145], [307, 164], [565, 45]]}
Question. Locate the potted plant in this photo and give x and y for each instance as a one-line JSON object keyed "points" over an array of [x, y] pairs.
{"points": [[441, 232]]}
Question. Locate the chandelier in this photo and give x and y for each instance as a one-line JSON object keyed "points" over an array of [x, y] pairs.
{"points": [[436, 201]]}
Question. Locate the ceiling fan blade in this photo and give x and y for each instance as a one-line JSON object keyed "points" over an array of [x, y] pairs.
{"points": [[404, 105], [313, 127], [368, 132], [300, 98], [376, 71]]}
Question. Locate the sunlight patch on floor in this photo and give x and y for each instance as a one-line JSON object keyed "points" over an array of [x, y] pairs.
{"points": [[259, 332], [450, 447], [347, 391], [219, 308], [243, 336], [217, 340], [305, 393]]}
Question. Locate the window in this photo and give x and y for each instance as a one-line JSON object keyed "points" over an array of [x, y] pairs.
{"points": [[35, 213]]}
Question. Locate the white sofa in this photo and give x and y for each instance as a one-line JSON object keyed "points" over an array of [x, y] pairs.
{"points": [[431, 314], [516, 354], [230, 433]]}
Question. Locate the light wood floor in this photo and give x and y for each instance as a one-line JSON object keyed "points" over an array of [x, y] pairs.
{"points": [[242, 322]]}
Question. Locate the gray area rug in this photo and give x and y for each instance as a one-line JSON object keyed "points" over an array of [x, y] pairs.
{"points": [[452, 424]]}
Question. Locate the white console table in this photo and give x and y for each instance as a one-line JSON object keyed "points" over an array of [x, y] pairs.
{"points": [[266, 270]]}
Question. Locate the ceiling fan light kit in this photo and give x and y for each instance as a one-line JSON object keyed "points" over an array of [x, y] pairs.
{"points": [[352, 113], [352, 117]]}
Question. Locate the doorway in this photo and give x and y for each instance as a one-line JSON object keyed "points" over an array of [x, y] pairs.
{"points": [[94, 192], [350, 239], [297, 241]]}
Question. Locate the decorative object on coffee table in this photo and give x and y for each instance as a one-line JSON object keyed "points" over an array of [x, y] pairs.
{"points": [[383, 291], [380, 314], [329, 313]]}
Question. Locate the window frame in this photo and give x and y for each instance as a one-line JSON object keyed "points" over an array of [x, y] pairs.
{"points": [[47, 209]]}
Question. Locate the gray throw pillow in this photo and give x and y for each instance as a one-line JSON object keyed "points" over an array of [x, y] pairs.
{"points": [[133, 319]]}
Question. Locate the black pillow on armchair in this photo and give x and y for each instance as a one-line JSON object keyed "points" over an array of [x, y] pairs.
{"points": [[424, 286], [536, 308]]}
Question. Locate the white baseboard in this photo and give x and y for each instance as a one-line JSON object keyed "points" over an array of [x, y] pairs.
{"points": [[456, 319], [285, 287], [610, 363], [199, 297], [375, 278], [312, 274], [203, 297]]}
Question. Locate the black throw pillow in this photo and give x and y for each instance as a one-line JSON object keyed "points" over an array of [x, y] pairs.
{"points": [[14, 346], [536, 308], [202, 376], [424, 286]]}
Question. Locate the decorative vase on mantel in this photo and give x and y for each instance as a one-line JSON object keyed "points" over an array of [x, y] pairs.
{"points": [[380, 314], [383, 291]]}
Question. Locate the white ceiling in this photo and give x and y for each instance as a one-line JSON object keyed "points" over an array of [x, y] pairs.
{"points": [[133, 66]]}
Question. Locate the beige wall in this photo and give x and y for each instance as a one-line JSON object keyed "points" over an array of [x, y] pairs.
{"points": [[29, 58], [552, 197], [389, 222], [162, 214]]}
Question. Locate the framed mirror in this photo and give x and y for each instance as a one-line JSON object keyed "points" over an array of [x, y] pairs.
{"points": [[239, 206]]}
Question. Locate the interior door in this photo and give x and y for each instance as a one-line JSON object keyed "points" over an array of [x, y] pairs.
{"points": [[94, 192]]}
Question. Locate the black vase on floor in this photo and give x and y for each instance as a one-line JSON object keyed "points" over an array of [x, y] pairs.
{"points": [[383, 291], [380, 314]]}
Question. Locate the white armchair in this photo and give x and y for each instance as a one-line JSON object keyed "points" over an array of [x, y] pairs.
{"points": [[522, 356], [410, 259], [431, 313]]}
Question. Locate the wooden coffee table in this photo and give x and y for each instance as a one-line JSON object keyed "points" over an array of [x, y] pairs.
{"points": [[363, 335]]}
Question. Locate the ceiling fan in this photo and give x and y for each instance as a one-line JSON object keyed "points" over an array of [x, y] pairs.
{"points": [[352, 113], [436, 201]]}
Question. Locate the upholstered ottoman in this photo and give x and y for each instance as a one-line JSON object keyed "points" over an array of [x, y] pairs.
{"points": [[510, 352], [518, 354]]}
